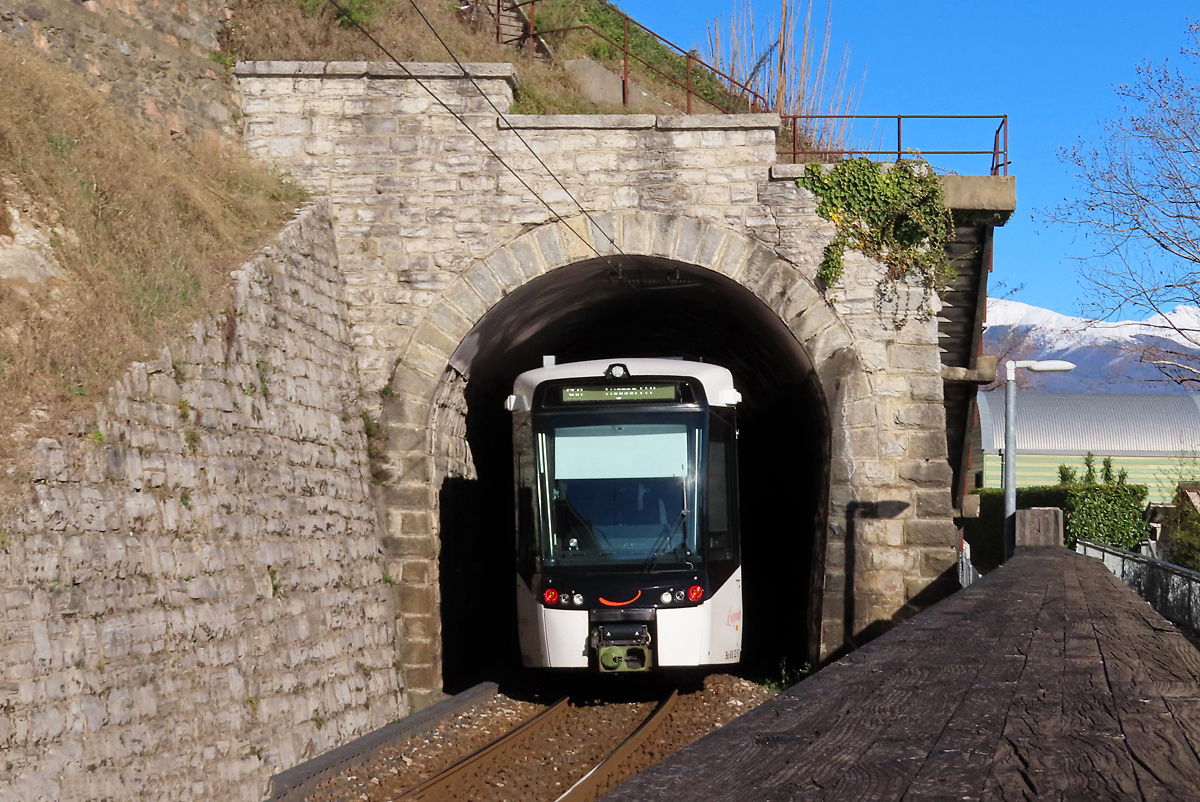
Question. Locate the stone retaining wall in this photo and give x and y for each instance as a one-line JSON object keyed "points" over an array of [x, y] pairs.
{"points": [[195, 600], [433, 232], [153, 59]]}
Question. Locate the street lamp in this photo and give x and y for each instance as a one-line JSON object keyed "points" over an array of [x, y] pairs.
{"points": [[1010, 440]]}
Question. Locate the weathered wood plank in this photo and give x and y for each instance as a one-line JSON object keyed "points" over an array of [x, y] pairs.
{"points": [[1047, 679]]}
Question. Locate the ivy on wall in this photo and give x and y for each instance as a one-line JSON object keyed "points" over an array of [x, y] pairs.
{"points": [[897, 216]]}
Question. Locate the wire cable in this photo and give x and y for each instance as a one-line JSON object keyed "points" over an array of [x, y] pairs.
{"points": [[462, 121], [546, 167]]}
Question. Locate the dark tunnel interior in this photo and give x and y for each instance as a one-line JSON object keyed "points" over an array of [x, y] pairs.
{"points": [[650, 308]]}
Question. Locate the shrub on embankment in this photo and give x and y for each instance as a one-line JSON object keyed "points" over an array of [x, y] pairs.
{"points": [[1103, 513], [142, 231]]}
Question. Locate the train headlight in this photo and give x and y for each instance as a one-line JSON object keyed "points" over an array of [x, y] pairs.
{"points": [[578, 599], [695, 593], [679, 595], [666, 597], [551, 596]]}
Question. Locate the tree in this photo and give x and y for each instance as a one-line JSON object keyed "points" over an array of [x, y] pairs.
{"points": [[1140, 206]]}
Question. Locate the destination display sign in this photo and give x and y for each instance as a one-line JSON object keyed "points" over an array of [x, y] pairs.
{"points": [[590, 394]]}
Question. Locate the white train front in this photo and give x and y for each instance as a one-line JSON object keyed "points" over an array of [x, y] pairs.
{"points": [[628, 553]]}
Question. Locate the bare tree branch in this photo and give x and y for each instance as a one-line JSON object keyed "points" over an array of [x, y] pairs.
{"points": [[1139, 209]]}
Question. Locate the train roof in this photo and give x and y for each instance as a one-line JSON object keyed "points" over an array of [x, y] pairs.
{"points": [[716, 380]]}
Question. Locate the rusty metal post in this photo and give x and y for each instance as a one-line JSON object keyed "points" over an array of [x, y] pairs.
{"points": [[498, 10], [795, 140], [899, 138], [532, 33], [689, 83], [625, 66], [1006, 144]]}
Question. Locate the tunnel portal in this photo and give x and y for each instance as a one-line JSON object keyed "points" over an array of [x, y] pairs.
{"points": [[639, 307]]}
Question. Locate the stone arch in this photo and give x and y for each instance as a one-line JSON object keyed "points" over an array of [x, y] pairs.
{"points": [[425, 414]]}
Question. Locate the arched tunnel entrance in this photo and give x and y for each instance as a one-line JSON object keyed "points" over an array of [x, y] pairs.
{"points": [[645, 308]]}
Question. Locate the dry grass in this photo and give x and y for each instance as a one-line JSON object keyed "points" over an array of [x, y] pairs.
{"points": [[789, 66], [145, 229], [285, 30]]}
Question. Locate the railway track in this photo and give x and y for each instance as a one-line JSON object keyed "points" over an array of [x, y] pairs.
{"points": [[575, 751], [478, 772]]}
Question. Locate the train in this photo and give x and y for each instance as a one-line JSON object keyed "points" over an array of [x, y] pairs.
{"points": [[628, 552]]}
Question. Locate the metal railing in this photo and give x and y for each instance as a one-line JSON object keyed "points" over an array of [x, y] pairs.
{"points": [[794, 125], [1171, 590], [742, 96], [735, 97]]}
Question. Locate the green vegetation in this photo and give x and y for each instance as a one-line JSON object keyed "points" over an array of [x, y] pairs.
{"points": [[349, 13], [1183, 526], [896, 216], [787, 677], [376, 449], [1108, 512]]}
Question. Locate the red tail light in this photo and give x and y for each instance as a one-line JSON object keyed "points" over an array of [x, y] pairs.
{"points": [[551, 596], [695, 593]]}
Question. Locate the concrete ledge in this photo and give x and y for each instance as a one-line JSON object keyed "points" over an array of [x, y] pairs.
{"points": [[370, 69], [983, 373], [296, 783], [987, 198], [693, 122], [558, 121], [688, 122], [782, 172]]}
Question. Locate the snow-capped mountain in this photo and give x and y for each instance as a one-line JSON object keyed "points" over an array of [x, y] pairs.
{"points": [[1106, 353]]}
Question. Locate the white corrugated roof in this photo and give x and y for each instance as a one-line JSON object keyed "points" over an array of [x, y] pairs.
{"points": [[1109, 425], [717, 381]]}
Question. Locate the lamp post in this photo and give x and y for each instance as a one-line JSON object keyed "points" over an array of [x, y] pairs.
{"points": [[1010, 440]]}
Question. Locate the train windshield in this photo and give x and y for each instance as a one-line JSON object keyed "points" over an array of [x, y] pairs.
{"points": [[621, 494]]}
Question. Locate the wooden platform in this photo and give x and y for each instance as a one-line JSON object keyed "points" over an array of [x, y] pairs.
{"points": [[1048, 679]]}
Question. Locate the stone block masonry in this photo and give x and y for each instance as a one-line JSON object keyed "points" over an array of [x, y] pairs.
{"points": [[433, 231], [194, 599], [151, 58]]}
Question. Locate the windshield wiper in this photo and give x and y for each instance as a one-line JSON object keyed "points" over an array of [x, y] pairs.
{"points": [[664, 540]]}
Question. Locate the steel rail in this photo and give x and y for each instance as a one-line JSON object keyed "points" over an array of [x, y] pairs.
{"points": [[585, 789], [435, 787]]}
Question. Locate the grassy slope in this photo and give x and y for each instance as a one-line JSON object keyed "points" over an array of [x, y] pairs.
{"points": [[294, 30], [146, 230], [285, 30]]}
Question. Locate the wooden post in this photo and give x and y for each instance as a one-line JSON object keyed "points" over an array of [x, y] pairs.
{"points": [[1040, 526], [532, 33], [498, 11]]}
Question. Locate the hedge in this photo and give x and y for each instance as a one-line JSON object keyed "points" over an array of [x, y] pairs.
{"points": [[1183, 539], [1103, 513]]}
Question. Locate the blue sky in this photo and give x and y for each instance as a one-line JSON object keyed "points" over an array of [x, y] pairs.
{"points": [[1051, 66]]}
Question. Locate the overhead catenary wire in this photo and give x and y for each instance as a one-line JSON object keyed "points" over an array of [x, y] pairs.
{"points": [[463, 122], [546, 167]]}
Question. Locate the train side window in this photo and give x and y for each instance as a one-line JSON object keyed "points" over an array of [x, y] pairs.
{"points": [[721, 542]]}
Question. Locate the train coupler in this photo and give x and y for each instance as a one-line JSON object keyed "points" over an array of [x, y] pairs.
{"points": [[623, 647]]}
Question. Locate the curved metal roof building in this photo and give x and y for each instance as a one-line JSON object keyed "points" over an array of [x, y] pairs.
{"points": [[1104, 424]]}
